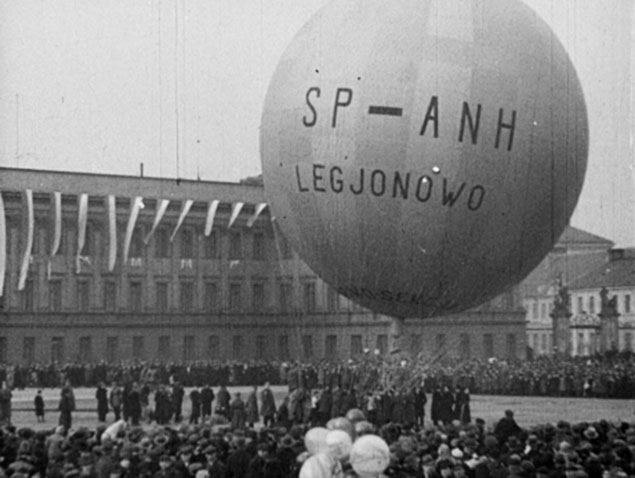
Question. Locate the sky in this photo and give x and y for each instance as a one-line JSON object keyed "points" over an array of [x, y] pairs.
{"points": [[103, 87]]}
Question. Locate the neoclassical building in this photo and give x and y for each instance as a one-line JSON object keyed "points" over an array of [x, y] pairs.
{"points": [[125, 268]]}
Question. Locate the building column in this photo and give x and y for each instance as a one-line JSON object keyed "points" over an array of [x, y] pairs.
{"points": [[609, 323]]}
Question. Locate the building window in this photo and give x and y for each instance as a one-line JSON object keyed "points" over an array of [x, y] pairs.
{"points": [[258, 251], [627, 304], [535, 339], [283, 347], [161, 243], [135, 296], [628, 342], [309, 296], [356, 345], [83, 295], [235, 246], [465, 347], [235, 297], [213, 347], [543, 311], [333, 300], [260, 347], [257, 296], [544, 342], [164, 351], [55, 295], [211, 296], [237, 347], [382, 344], [110, 296], [580, 348], [189, 348], [27, 296], [580, 305], [28, 349], [57, 349], [440, 343], [210, 246], [511, 346], [137, 246], [186, 296], [307, 347], [138, 347], [187, 243], [534, 310], [284, 297], [161, 298], [112, 349], [331, 346], [488, 345], [85, 349], [591, 305], [284, 248]]}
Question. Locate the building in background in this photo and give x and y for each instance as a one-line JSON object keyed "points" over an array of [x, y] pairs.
{"points": [[148, 269]]}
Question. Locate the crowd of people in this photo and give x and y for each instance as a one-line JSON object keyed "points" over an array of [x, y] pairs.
{"points": [[606, 376], [218, 448]]}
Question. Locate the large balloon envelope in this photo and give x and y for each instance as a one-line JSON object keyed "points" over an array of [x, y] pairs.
{"points": [[424, 155]]}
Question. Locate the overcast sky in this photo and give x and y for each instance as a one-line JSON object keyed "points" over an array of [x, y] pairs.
{"points": [[96, 86]]}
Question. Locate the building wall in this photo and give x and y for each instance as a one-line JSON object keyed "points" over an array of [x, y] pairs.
{"points": [[240, 293]]}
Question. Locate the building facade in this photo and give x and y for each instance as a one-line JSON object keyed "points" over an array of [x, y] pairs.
{"points": [[123, 268]]}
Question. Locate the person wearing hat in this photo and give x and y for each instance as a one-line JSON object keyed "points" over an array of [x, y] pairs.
{"points": [[238, 413], [166, 468], [213, 465], [186, 460], [506, 427], [239, 457]]}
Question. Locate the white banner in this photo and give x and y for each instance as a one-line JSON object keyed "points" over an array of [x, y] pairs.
{"points": [[163, 206], [57, 231], [184, 210], [29, 240], [259, 208], [235, 212], [209, 220], [3, 245], [137, 205], [112, 231]]}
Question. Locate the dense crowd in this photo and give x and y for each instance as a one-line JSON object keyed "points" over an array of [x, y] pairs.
{"points": [[217, 448], [606, 376]]}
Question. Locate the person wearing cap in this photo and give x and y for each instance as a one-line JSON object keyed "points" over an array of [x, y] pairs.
{"points": [[207, 397], [186, 460], [251, 407], [213, 465], [238, 414], [101, 394], [265, 464]]}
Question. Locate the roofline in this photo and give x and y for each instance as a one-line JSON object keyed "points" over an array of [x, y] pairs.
{"points": [[68, 182]]}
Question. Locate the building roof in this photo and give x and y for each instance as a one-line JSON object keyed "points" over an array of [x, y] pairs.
{"points": [[573, 235], [619, 272]]}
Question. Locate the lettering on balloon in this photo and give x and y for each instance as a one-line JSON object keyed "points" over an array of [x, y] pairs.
{"points": [[422, 188], [469, 118]]}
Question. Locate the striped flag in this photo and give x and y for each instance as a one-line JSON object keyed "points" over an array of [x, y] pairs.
{"points": [[209, 220], [236, 208], [82, 217], [184, 210], [163, 206], [112, 230], [3, 245], [29, 240], [259, 208], [57, 231], [137, 205]]}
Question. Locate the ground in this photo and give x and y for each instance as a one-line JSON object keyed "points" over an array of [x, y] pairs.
{"points": [[528, 410]]}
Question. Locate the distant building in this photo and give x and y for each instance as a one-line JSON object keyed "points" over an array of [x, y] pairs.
{"points": [[584, 263], [237, 291]]}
